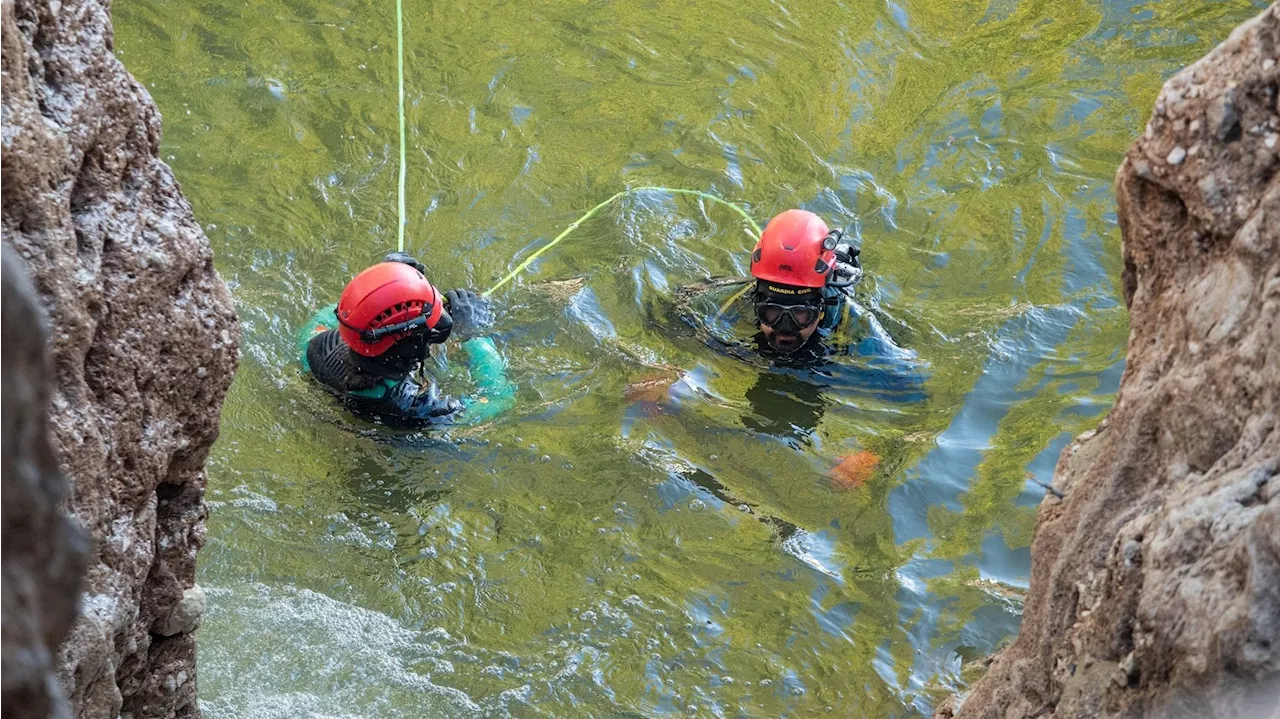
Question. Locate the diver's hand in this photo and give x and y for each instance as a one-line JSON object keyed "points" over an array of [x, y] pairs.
{"points": [[423, 402], [443, 407], [407, 259], [471, 313]]}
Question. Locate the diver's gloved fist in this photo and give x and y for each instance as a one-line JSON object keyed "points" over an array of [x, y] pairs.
{"points": [[444, 407], [413, 400], [407, 259], [470, 312]]}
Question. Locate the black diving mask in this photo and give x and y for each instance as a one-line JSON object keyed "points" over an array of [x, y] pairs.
{"points": [[787, 319]]}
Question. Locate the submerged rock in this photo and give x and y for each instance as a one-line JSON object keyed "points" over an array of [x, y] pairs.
{"points": [[143, 345], [1155, 587]]}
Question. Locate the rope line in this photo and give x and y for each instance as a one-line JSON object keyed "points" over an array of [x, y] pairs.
{"points": [[400, 189], [590, 213], [400, 77]]}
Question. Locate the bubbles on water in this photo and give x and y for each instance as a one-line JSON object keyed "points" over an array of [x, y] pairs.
{"points": [[697, 505]]}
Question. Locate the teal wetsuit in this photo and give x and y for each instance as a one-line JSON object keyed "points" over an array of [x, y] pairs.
{"points": [[397, 397]]}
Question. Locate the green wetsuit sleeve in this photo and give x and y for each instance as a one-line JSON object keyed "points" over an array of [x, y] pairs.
{"points": [[322, 321], [495, 394]]}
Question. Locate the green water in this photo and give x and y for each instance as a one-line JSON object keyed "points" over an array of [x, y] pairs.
{"points": [[668, 550]]}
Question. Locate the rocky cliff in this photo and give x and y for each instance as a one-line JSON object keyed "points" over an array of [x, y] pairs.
{"points": [[1155, 584], [44, 552], [142, 347]]}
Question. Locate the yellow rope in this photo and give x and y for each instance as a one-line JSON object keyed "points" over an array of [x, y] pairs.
{"points": [[400, 77], [575, 224], [725, 307]]}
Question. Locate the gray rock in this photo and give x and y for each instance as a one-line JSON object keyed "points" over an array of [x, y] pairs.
{"points": [[126, 277], [1225, 118], [185, 617], [44, 553]]}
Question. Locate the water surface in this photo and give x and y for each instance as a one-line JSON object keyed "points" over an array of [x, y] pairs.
{"points": [[654, 530]]}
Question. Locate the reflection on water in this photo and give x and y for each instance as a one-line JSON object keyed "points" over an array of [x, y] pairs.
{"points": [[667, 523]]}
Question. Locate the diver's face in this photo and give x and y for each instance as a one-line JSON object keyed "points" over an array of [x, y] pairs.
{"points": [[786, 328]]}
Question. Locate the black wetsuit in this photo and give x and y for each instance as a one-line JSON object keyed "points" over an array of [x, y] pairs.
{"points": [[849, 352], [380, 387]]}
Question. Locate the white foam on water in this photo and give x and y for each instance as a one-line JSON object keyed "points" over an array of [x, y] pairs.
{"points": [[282, 652], [248, 499]]}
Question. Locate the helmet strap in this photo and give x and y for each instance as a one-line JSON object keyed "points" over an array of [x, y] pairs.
{"points": [[435, 335]]}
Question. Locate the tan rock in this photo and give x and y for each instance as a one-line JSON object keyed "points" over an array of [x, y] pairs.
{"points": [[1155, 587]]}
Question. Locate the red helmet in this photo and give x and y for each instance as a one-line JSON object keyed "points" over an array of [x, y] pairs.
{"points": [[794, 250], [385, 295]]}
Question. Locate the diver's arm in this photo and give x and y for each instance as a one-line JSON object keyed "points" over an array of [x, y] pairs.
{"points": [[495, 394], [472, 315]]}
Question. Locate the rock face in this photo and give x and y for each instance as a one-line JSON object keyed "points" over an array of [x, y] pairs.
{"points": [[1155, 587], [142, 342], [44, 552]]}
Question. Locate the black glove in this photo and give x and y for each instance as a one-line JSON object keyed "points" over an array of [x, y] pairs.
{"points": [[414, 401], [406, 258], [470, 312]]}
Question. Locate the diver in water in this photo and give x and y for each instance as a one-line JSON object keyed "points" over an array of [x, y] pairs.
{"points": [[802, 270], [800, 300], [366, 347], [800, 295]]}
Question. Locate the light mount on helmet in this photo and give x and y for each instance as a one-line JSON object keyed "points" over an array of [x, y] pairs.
{"points": [[832, 240], [848, 271]]}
